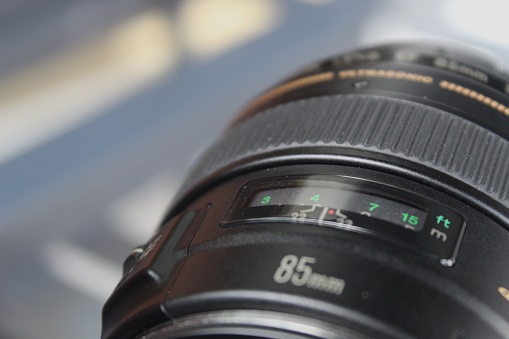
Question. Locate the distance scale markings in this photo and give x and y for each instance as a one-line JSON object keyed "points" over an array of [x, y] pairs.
{"points": [[301, 203], [326, 212], [370, 208]]}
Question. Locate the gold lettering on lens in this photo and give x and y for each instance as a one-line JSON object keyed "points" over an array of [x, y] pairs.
{"points": [[386, 74], [293, 85], [288, 87], [475, 95], [504, 292]]}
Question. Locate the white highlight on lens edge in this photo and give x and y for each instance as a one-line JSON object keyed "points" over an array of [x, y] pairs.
{"points": [[485, 20]]}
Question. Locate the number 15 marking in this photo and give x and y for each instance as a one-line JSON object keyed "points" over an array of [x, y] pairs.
{"points": [[373, 206]]}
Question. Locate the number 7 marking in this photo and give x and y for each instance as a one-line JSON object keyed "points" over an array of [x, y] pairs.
{"points": [[373, 206]]}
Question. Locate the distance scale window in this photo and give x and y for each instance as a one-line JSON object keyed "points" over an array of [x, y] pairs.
{"points": [[357, 205]]}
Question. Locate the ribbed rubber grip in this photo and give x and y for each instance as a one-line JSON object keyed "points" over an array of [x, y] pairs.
{"points": [[420, 134]]}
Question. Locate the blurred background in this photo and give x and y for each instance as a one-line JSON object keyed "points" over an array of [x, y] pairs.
{"points": [[104, 104]]}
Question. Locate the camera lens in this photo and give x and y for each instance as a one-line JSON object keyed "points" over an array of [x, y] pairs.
{"points": [[365, 197]]}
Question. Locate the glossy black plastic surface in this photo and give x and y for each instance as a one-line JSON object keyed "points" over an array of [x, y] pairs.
{"points": [[372, 285], [421, 130]]}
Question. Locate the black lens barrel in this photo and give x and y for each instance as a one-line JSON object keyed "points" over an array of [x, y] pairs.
{"points": [[415, 126]]}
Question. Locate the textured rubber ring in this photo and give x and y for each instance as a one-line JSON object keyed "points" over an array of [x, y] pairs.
{"points": [[423, 135]]}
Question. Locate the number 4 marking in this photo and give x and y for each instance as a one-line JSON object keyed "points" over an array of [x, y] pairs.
{"points": [[373, 206]]}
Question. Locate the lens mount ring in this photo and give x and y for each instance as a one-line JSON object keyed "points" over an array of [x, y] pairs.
{"points": [[251, 323]]}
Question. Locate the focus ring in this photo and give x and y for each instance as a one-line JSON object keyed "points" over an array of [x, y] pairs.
{"points": [[402, 129]]}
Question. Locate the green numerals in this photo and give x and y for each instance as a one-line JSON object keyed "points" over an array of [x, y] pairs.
{"points": [[315, 198], [373, 206], [266, 199], [411, 219]]}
